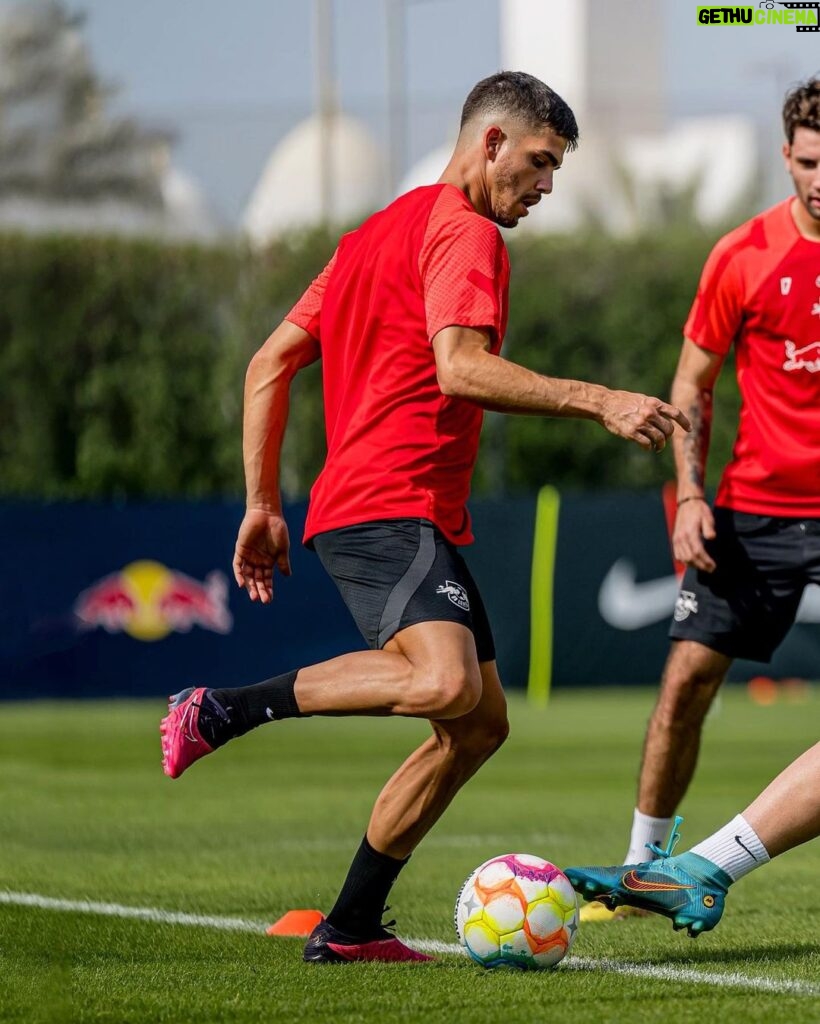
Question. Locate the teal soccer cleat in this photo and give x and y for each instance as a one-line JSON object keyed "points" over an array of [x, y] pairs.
{"points": [[688, 889]]}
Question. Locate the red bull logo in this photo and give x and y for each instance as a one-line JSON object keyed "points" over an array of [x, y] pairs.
{"points": [[147, 600]]}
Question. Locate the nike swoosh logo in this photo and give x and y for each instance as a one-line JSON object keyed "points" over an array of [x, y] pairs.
{"points": [[631, 881], [743, 846], [626, 604]]}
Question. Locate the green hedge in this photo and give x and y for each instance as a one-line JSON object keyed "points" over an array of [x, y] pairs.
{"points": [[611, 312], [121, 362]]}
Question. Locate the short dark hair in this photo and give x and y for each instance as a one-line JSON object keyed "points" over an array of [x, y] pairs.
{"points": [[802, 107], [520, 95]]}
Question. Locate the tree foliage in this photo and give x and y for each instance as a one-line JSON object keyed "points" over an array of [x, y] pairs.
{"points": [[611, 312], [121, 362], [56, 139]]}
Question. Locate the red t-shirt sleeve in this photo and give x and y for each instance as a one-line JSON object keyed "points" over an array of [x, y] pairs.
{"points": [[307, 313], [464, 271], [717, 312]]}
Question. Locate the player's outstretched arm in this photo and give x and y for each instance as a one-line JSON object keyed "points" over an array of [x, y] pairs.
{"points": [[263, 541], [467, 369]]}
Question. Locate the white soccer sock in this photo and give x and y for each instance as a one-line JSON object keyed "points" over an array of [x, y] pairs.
{"points": [[736, 848], [646, 830]]}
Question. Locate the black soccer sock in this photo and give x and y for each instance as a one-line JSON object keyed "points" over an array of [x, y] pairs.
{"points": [[249, 706], [359, 907]]}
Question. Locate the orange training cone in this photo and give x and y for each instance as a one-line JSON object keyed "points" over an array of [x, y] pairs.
{"points": [[296, 922], [762, 690]]}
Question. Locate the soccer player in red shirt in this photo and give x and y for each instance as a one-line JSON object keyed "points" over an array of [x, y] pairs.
{"points": [[750, 559], [408, 319]]}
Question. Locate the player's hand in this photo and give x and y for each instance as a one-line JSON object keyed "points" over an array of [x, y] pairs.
{"points": [[648, 422], [261, 544], [694, 523]]}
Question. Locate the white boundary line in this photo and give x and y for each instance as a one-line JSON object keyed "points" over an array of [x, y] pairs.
{"points": [[157, 916], [656, 972]]}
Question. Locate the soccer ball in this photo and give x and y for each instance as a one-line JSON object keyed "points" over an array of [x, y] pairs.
{"points": [[517, 911]]}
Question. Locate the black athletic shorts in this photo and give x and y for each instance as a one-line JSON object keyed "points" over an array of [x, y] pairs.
{"points": [[394, 573], [747, 605]]}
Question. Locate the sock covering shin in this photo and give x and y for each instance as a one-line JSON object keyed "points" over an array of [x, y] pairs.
{"points": [[246, 707], [736, 848], [361, 902]]}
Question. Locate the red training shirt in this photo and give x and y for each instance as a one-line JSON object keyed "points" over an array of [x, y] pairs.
{"points": [[760, 289], [396, 446]]}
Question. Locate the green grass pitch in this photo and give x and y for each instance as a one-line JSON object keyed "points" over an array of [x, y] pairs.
{"points": [[270, 823]]}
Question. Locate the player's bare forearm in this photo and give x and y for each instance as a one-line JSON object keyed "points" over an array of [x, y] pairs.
{"points": [[692, 450], [267, 402], [692, 391], [466, 369]]}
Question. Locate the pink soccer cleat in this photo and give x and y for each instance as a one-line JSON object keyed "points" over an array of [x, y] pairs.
{"points": [[182, 742], [327, 945]]}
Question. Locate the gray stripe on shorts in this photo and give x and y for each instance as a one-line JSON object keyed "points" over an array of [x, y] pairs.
{"points": [[408, 584]]}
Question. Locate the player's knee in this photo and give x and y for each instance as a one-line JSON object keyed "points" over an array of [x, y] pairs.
{"points": [[451, 692], [688, 685], [686, 696]]}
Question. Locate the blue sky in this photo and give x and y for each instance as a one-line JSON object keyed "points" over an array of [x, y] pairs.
{"points": [[231, 77]]}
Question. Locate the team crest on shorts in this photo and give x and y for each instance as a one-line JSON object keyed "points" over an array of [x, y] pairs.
{"points": [[685, 605], [456, 593]]}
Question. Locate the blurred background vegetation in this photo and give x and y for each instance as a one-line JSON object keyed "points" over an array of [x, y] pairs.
{"points": [[123, 361]]}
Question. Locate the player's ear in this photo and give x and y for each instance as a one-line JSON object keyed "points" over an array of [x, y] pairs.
{"points": [[787, 152], [493, 139]]}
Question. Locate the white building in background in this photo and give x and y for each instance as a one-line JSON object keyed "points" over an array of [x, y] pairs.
{"points": [[66, 165], [326, 168], [605, 59]]}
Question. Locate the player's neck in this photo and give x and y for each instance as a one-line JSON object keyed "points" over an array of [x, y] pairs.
{"points": [[460, 172], [806, 225]]}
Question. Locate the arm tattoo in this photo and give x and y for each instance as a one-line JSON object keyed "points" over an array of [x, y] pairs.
{"points": [[696, 442]]}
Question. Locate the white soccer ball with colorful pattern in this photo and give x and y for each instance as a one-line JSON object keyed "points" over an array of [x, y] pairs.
{"points": [[517, 911]]}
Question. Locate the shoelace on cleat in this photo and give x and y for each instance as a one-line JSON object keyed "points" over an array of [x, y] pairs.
{"points": [[387, 925], [674, 838]]}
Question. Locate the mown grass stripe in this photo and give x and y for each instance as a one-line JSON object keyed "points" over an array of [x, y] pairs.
{"points": [[656, 972]]}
